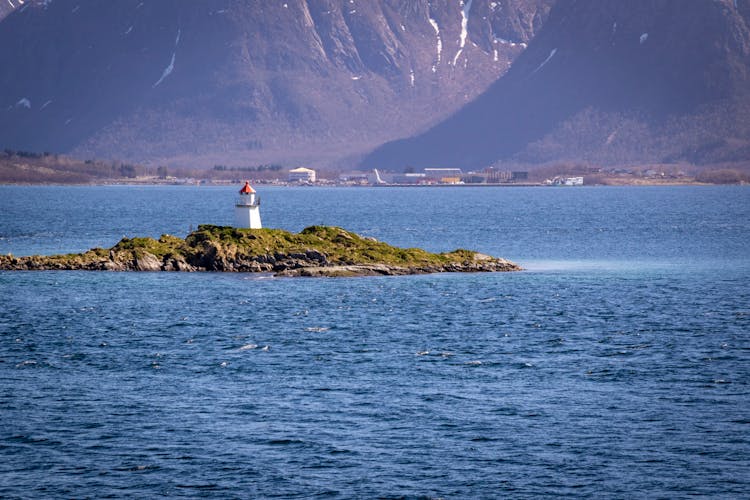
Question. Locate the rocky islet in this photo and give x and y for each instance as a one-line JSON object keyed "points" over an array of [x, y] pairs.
{"points": [[317, 251]]}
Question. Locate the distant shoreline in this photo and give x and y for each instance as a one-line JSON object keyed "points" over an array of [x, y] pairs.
{"points": [[355, 186]]}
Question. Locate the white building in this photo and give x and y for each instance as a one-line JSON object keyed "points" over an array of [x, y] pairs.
{"points": [[247, 208], [410, 178], [565, 181], [302, 175], [573, 181]]}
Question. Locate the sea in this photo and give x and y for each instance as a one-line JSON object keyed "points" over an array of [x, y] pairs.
{"points": [[616, 365]]}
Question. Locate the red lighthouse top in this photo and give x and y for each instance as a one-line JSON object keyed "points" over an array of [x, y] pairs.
{"points": [[247, 189]]}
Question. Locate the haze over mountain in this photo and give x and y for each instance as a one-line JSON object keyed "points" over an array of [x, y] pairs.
{"points": [[243, 82], [607, 82]]}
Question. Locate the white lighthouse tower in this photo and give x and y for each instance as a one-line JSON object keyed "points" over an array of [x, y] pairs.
{"points": [[247, 208]]}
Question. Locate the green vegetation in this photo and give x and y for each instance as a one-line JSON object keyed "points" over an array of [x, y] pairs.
{"points": [[338, 245], [164, 246]]}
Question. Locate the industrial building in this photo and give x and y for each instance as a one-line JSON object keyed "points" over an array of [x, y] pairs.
{"points": [[302, 175]]}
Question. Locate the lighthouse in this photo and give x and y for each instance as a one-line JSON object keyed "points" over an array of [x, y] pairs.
{"points": [[247, 208]]}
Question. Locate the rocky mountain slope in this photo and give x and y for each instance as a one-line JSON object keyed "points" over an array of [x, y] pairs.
{"points": [[247, 81], [608, 82]]}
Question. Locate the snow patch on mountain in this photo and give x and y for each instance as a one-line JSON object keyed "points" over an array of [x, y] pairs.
{"points": [[167, 71], [170, 67], [611, 138], [436, 27], [464, 28], [544, 63], [503, 41]]}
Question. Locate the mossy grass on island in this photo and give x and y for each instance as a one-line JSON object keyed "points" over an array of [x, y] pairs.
{"points": [[315, 251]]}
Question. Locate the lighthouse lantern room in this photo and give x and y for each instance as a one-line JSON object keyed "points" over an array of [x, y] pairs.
{"points": [[247, 208]]}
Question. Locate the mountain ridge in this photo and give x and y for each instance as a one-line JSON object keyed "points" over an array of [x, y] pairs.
{"points": [[301, 81], [609, 83]]}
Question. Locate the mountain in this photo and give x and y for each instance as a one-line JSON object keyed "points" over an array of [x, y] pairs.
{"points": [[607, 82], [247, 82], [7, 7]]}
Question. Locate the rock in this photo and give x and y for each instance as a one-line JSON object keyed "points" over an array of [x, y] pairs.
{"points": [[316, 256], [315, 252], [479, 257], [113, 266], [176, 263], [265, 259], [147, 262], [386, 270]]}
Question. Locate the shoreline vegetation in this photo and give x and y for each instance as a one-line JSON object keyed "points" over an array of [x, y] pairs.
{"points": [[29, 168], [317, 251]]}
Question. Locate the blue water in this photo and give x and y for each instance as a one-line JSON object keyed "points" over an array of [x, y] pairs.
{"points": [[616, 365]]}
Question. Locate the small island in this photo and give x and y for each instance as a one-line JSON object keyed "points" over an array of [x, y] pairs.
{"points": [[315, 251]]}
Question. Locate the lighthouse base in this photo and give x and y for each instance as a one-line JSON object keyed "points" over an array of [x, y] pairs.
{"points": [[247, 217]]}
